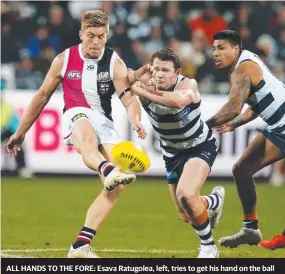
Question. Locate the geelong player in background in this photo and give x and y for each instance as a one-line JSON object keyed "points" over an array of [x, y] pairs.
{"points": [[90, 73], [252, 83], [188, 146]]}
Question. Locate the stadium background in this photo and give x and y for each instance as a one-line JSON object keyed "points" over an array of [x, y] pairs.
{"points": [[41, 216]]}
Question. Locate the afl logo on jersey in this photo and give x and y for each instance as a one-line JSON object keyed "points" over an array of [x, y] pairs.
{"points": [[74, 75], [103, 77]]}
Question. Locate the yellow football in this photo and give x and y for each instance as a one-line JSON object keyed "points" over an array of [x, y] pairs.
{"points": [[129, 158]]}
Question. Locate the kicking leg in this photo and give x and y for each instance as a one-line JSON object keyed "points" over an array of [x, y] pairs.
{"points": [[85, 141], [259, 154]]}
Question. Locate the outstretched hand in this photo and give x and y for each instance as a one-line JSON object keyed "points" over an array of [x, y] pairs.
{"points": [[228, 127], [139, 88], [14, 143], [138, 127], [144, 74]]}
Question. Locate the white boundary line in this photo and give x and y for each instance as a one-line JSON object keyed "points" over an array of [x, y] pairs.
{"points": [[97, 250], [6, 255]]}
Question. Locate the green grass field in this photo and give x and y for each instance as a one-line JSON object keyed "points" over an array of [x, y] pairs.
{"points": [[41, 217]]}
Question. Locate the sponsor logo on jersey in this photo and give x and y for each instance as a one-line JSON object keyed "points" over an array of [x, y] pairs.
{"points": [[182, 114], [103, 77], [77, 116], [153, 115], [74, 75]]}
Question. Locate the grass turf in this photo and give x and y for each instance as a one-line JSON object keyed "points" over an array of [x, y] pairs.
{"points": [[42, 216]]}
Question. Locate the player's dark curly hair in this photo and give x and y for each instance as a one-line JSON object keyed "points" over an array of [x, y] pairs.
{"points": [[167, 54], [230, 35]]}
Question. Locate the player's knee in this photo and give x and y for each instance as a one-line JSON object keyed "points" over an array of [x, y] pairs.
{"points": [[240, 170], [237, 169], [88, 143], [190, 196]]}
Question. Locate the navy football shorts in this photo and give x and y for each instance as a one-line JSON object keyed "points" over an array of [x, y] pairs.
{"points": [[275, 137], [206, 151]]}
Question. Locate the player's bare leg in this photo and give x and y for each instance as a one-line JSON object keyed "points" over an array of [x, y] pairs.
{"points": [[193, 178], [260, 153], [181, 212], [213, 202], [85, 141]]}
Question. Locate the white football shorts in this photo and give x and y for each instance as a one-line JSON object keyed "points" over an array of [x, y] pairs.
{"points": [[103, 127]]}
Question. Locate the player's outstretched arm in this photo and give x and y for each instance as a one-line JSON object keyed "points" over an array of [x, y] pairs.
{"points": [[143, 74], [240, 120], [129, 100], [241, 81], [37, 104], [186, 93]]}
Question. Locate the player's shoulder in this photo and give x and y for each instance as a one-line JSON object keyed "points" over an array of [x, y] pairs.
{"points": [[247, 60], [189, 82], [59, 59], [58, 64]]}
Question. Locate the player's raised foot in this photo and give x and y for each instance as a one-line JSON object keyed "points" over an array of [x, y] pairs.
{"points": [[215, 214], [244, 236], [277, 241], [84, 251], [117, 177], [208, 251]]}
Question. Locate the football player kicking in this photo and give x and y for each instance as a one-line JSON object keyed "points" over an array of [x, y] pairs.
{"points": [[90, 74]]}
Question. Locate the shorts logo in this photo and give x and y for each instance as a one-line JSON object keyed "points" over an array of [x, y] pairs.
{"points": [[104, 77], [206, 154], [77, 116], [74, 75], [171, 175]]}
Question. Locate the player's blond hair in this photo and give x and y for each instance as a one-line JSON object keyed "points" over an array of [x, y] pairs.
{"points": [[94, 18]]}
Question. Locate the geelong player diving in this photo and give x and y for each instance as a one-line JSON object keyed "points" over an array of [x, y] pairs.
{"points": [[189, 149], [90, 73], [252, 83]]}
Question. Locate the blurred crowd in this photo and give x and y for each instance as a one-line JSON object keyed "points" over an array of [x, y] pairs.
{"points": [[33, 33]]}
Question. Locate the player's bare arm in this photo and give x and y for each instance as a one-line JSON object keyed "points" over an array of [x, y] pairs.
{"points": [[246, 75], [129, 100], [240, 120], [144, 74], [185, 93], [37, 104]]}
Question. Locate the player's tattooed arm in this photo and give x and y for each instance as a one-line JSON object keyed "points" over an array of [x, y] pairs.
{"points": [[240, 120], [244, 118], [240, 88]]}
